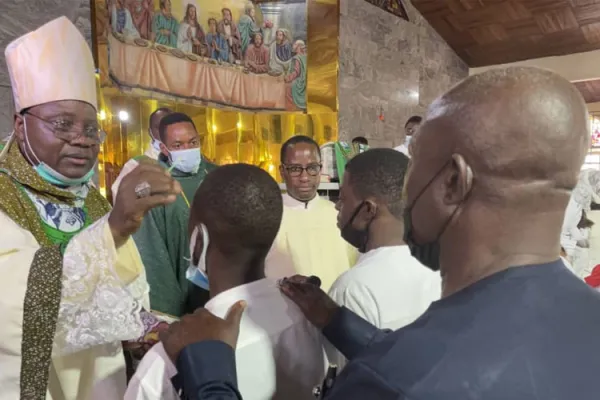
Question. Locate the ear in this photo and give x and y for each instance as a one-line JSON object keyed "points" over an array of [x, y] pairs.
{"points": [[459, 180], [371, 208], [19, 127]]}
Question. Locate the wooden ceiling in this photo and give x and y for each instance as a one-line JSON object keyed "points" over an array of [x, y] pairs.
{"points": [[489, 32], [589, 89]]}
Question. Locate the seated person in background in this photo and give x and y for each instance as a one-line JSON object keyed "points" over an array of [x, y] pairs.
{"points": [[162, 239], [388, 287], [308, 242], [234, 219]]}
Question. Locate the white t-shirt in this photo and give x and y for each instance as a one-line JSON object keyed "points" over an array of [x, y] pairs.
{"points": [[279, 354], [403, 148], [388, 287]]}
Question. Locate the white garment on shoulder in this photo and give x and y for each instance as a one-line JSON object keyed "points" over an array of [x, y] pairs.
{"points": [[103, 290], [279, 354], [387, 287], [403, 148], [152, 379]]}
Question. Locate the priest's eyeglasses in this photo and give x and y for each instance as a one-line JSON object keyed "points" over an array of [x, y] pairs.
{"points": [[296, 170], [67, 130]]}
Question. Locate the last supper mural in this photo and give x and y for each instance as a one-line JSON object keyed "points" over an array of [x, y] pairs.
{"points": [[230, 53]]}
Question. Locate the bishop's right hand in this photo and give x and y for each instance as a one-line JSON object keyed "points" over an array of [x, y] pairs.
{"points": [[146, 187]]}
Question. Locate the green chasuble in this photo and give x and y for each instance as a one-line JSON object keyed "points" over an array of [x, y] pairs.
{"points": [[163, 244]]}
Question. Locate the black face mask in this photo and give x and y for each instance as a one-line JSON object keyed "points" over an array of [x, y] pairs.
{"points": [[427, 254], [356, 237]]}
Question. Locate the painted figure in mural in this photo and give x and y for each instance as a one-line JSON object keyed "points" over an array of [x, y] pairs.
{"points": [[164, 25], [280, 52], [296, 78], [257, 56], [231, 33], [141, 13], [217, 44], [121, 20], [248, 26], [191, 38]]}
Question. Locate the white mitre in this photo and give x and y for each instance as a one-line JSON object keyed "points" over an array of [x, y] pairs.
{"points": [[52, 63]]}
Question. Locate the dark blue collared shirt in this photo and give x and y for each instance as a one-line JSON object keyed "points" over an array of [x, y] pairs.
{"points": [[522, 334]]}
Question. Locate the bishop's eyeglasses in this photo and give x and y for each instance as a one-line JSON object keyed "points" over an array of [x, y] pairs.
{"points": [[66, 129], [296, 170]]}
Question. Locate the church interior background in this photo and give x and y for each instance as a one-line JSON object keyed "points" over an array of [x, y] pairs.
{"points": [[248, 128]]}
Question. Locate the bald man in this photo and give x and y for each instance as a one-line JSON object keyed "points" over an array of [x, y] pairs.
{"points": [[486, 194]]}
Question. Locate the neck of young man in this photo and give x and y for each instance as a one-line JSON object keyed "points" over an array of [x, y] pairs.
{"points": [[233, 276], [385, 235]]}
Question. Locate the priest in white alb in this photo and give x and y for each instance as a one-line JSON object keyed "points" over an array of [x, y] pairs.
{"points": [[309, 241], [72, 282]]}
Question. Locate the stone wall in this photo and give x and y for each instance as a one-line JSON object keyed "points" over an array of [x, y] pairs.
{"points": [[20, 17], [390, 64]]}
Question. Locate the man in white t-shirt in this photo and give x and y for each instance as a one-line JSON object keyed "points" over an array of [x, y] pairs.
{"points": [[234, 219], [410, 128], [387, 286]]}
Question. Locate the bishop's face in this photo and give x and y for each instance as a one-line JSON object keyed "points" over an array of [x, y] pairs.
{"points": [[61, 134]]}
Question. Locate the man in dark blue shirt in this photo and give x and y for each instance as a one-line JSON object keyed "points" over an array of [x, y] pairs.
{"points": [[492, 171]]}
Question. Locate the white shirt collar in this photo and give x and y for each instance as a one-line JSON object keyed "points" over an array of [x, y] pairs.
{"points": [[289, 201], [383, 252], [243, 292]]}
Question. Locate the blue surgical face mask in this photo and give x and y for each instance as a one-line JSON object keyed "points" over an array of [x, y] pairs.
{"points": [[187, 161], [197, 273], [48, 173]]}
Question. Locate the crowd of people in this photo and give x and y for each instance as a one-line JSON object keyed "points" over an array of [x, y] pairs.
{"points": [[437, 274]]}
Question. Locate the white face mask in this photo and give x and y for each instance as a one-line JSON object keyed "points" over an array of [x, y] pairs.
{"points": [[156, 144], [407, 140], [197, 273], [187, 161]]}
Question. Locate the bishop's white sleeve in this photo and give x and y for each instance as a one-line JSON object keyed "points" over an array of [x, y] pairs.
{"points": [[152, 379], [358, 299], [103, 291]]}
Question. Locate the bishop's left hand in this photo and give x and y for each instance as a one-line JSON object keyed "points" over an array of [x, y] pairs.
{"points": [[203, 326]]}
